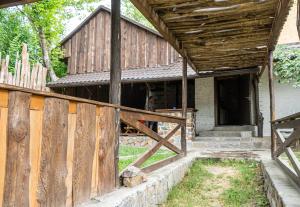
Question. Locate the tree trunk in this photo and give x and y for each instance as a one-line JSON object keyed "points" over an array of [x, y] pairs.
{"points": [[45, 51]]}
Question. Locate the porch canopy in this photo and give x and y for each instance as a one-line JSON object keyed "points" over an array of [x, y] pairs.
{"points": [[8, 3], [218, 35]]}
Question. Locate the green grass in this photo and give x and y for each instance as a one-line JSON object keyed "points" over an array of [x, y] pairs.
{"points": [[131, 154], [198, 187]]}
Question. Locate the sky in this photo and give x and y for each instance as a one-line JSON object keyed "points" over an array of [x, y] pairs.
{"points": [[74, 22]]}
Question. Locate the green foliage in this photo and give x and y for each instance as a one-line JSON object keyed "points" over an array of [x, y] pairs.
{"points": [[59, 66], [50, 17], [287, 64], [14, 31], [130, 11]]}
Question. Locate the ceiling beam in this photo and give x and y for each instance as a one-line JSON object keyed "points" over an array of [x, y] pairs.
{"points": [[158, 23], [9, 3]]}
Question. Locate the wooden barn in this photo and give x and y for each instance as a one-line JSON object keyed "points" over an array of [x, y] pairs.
{"points": [[150, 65]]}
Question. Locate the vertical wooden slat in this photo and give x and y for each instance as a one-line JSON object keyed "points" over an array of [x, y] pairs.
{"points": [[4, 98], [70, 155], [107, 42], [3, 141], [84, 148], [123, 44], [16, 192], [77, 51], [52, 189], [95, 177], [82, 50], [106, 160], [98, 36], [36, 120]]}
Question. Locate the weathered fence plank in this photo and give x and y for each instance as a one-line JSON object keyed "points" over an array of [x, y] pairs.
{"points": [[84, 148], [71, 137], [106, 151], [3, 140], [95, 177], [16, 192], [36, 120], [52, 189]]}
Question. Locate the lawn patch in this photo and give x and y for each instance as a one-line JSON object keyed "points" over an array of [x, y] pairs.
{"points": [[129, 154], [213, 182]]}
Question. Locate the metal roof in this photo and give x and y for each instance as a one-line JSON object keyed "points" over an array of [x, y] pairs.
{"points": [[159, 73]]}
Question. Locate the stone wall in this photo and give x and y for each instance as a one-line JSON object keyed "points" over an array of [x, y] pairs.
{"points": [[165, 128], [136, 141]]}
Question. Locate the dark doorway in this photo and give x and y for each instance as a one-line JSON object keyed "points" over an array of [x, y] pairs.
{"points": [[233, 100]]}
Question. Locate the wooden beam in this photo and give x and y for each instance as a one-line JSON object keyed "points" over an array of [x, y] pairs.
{"points": [[184, 104], [283, 8], [161, 164], [115, 73], [9, 3], [159, 24], [272, 103]]}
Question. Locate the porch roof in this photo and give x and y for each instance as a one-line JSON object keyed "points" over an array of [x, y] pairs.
{"points": [[159, 73], [218, 35], [8, 3]]}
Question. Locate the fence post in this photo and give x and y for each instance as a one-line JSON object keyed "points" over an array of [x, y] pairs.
{"points": [[272, 103], [115, 73], [184, 105]]}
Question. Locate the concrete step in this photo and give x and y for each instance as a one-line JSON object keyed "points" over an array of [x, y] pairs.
{"points": [[231, 142], [235, 128], [225, 133]]}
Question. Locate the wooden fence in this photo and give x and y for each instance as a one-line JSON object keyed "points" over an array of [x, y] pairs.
{"points": [[23, 75], [287, 152], [57, 150]]}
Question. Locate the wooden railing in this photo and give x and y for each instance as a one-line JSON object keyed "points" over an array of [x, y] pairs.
{"points": [[57, 150], [139, 120], [287, 133]]}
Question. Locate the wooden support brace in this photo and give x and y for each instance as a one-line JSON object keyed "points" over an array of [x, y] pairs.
{"points": [[154, 149], [141, 127]]}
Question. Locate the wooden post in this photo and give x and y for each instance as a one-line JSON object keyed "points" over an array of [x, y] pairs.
{"points": [[272, 102], [184, 104], [115, 74]]}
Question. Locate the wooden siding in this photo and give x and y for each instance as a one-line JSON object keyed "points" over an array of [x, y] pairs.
{"points": [[88, 50]]}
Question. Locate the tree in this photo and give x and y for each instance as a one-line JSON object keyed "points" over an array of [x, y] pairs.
{"points": [[47, 18], [15, 30], [287, 64]]}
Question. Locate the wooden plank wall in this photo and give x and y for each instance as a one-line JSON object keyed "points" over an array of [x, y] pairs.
{"points": [[53, 151], [88, 50]]}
